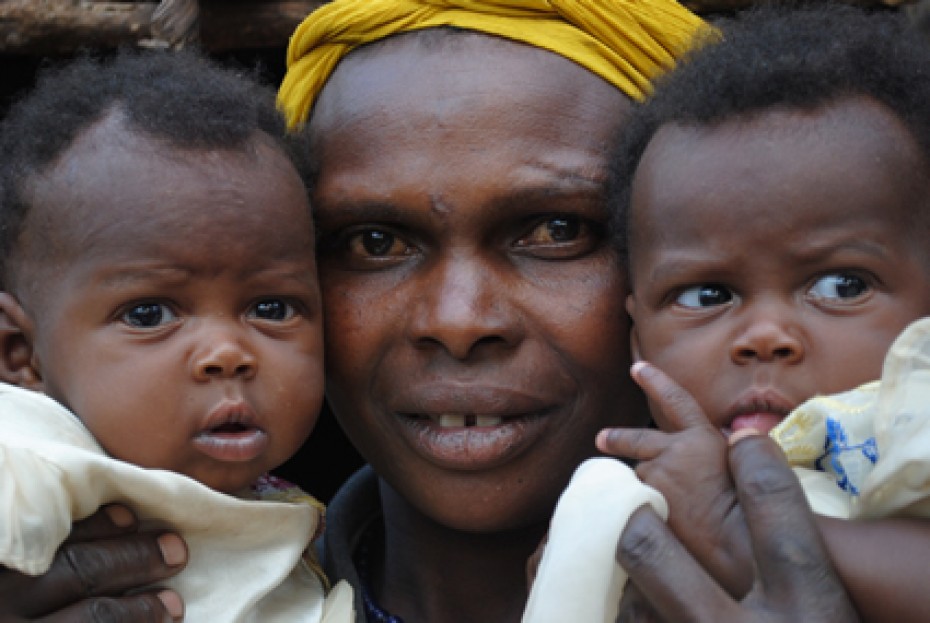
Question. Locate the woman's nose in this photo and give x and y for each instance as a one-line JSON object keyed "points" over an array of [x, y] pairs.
{"points": [[464, 307]]}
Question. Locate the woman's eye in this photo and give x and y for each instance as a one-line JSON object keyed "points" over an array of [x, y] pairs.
{"points": [[839, 286], [556, 230], [706, 295], [376, 243], [273, 309], [148, 315]]}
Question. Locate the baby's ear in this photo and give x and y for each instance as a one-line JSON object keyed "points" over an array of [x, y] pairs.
{"points": [[634, 346], [630, 304], [17, 365], [634, 339]]}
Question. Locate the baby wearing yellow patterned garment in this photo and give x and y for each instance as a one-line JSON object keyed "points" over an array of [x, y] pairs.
{"points": [[779, 267], [773, 201], [161, 317]]}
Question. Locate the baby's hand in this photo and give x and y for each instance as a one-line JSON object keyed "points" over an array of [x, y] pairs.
{"points": [[687, 463]]}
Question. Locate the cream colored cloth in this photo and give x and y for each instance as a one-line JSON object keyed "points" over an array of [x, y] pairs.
{"points": [[245, 561], [865, 453], [578, 577]]}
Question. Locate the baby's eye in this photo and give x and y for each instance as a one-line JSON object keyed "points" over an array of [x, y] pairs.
{"points": [[277, 310], [705, 295], [376, 243], [839, 286], [148, 315]]}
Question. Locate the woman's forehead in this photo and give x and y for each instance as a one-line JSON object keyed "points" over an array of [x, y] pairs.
{"points": [[452, 70]]}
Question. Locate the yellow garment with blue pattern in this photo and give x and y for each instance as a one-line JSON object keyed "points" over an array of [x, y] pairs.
{"points": [[864, 453], [626, 42]]}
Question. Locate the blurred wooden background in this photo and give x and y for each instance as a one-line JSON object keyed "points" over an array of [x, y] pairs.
{"points": [[51, 27]]}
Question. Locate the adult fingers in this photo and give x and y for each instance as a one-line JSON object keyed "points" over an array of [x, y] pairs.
{"points": [[677, 409], [792, 561], [641, 444], [162, 607], [670, 580], [634, 608], [84, 570]]}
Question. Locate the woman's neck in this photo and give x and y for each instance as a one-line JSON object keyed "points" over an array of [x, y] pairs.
{"points": [[429, 573]]}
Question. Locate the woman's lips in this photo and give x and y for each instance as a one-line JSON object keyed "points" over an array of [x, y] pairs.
{"points": [[474, 426], [471, 442]]}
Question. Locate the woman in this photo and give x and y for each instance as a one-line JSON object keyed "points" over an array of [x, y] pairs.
{"points": [[475, 327], [476, 339]]}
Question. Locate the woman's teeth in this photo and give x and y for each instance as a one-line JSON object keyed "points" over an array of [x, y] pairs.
{"points": [[461, 421]]}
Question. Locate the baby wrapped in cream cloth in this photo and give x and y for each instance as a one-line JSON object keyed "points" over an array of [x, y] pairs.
{"points": [[246, 557]]}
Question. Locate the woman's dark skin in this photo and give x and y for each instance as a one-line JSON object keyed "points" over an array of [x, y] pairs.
{"points": [[465, 271]]}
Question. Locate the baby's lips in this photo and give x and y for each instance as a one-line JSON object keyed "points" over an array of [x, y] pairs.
{"points": [[762, 422]]}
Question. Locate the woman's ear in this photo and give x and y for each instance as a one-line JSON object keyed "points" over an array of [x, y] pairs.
{"points": [[17, 362]]}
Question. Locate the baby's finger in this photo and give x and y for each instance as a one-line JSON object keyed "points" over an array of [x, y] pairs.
{"points": [[532, 563], [110, 521], [641, 444], [677, 409]]}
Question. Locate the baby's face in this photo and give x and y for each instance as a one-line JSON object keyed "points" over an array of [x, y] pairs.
{"points": [[179, 313], [777, 257]]}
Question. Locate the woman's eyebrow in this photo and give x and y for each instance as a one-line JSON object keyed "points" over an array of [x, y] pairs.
{"points": [[358, 210], [591, 196]]}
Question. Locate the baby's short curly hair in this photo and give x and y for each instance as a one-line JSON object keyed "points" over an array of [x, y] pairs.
{"points": [[182, 99], [787, 57]]}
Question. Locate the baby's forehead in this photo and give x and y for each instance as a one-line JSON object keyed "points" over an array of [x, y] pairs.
{"points": [[116, 188], [781, 147], [796, 179], [111, 167]]}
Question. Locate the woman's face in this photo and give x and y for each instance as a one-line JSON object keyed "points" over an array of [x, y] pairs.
{"points": [[475, 331]]}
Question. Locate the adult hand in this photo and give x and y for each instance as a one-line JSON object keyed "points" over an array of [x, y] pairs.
{"points": [[795, 579], [104, 558]]}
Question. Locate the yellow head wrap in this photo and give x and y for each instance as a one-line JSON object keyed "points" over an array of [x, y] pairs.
{"points": [[626, 42]]}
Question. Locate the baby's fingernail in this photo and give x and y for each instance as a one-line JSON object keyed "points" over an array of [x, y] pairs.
{"points": [[742, 434], [172, 547], [602, 439], [640, 368], [172, 604], [120, 516]]}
